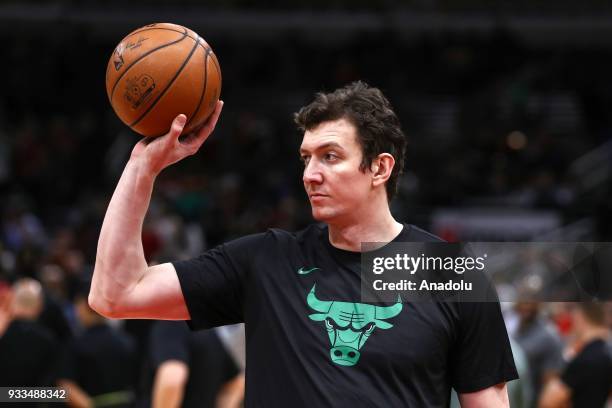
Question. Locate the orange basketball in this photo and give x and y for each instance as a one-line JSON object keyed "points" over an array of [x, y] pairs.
{"points": [[159, 71]]}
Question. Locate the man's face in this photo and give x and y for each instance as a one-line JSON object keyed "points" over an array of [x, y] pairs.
{"points": [[335, 185]]}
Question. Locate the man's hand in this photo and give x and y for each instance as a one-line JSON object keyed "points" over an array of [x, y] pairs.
{"points": [[161, 152]]}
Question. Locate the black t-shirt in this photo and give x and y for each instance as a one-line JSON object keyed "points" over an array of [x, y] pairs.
{"points": [[53, 318], [28, 355], [589, 375], [311, 342], [101, 360], [210, 366]]}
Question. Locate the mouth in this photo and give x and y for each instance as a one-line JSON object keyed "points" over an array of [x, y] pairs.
{"points": [[313, 196]]}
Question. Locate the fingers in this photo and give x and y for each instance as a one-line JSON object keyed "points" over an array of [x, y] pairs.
{"points": [[212, 121], [194, 141], [177, 126]]}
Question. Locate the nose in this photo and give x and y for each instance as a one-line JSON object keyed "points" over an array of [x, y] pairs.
{"points": [[344, 355], [312, 175]]}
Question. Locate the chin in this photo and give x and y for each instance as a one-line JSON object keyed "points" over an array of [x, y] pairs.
{"points": [[323, 214], [319, 214]]}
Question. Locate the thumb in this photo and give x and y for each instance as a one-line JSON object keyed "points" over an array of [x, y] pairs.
{"points": [[177, 126]]}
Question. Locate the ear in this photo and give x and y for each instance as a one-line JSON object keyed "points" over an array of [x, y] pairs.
{"points": [[381, 168]]}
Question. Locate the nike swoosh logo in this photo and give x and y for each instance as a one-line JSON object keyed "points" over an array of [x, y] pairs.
{"points": [[303, 271]]}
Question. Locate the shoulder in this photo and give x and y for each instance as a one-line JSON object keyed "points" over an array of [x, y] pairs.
{"points": [[104, 336], [34, 331], [412, 233], [277, 235], [311, 233]]}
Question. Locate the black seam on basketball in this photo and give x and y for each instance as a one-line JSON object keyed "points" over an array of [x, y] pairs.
{"points": [[214, 60], [106, 82], [216, 63], [143, 56], [162, 93], [169, 29], [197, 109]]}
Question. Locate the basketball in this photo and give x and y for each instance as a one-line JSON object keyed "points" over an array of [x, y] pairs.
{"points": [[158, 72]]}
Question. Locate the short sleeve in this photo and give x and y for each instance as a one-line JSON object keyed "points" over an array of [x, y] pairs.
{"points": [[481, 356], [213, 283], [168, 341]]}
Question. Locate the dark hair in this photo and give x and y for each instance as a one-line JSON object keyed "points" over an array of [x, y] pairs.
{"points": [[378, 128]]}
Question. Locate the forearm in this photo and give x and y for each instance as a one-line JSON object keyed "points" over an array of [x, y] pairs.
{"points": [[232, 393], [169, 384], [77, 398], [120, 260], [167, 397]]}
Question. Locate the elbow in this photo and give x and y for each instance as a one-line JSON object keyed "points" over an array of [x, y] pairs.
{"points": [[98, 306], [95, 304], [103, 298], [102, 307], [94, 299]]}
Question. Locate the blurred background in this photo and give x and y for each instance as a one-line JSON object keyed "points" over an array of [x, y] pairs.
{"points": [[505, 105]]}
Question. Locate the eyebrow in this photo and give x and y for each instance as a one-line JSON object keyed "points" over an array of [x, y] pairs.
{"points": [[323, 146]]}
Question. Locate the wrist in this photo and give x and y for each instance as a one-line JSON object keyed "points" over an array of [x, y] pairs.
{"points": [[143, 168]]}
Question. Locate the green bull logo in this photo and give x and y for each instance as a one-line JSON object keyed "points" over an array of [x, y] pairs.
{"points": [[350, 325]]}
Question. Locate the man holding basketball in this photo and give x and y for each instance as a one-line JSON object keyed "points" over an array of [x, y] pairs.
{"points": [[310, 341]]}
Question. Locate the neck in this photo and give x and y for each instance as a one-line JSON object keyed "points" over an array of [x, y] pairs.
{"points": [[593, 333], [371, 226]]}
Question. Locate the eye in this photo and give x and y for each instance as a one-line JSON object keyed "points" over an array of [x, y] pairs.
{"points": [[330, 157], [304, 159]]}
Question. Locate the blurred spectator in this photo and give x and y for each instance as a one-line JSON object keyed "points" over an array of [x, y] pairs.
{"points": [[587, 379], [541, 345], [21, 228], [58, 313], [27, 350], [190, 369], [98, 367]]}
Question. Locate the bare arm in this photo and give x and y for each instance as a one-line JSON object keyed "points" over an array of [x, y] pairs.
{"points": [[232, 393], [77, 397], [555, 395], [492, 397], [123, 285], [169, 384]]}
